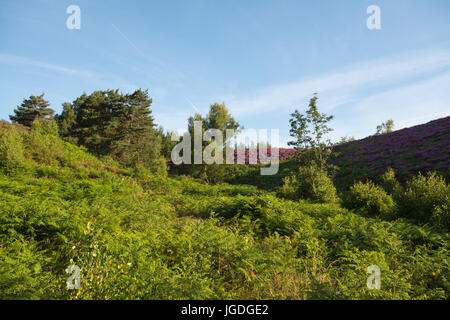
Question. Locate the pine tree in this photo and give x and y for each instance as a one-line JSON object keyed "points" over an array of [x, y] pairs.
{"points": [[36, 107], [137, 139], [111, 123], [97, 120], [66, 122]]}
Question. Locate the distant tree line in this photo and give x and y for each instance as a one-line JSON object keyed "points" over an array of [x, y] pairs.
{"points": [[109, 123], [106, 123], [112, 124]]}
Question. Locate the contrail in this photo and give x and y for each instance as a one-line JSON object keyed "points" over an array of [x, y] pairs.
{"points": [[129, 41], [144, 56], [193, 105]]}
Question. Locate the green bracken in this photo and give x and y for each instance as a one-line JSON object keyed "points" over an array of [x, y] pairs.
{"points": [[139, 235]]}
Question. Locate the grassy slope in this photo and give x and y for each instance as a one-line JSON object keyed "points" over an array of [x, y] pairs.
{"points": [[138, 236]]}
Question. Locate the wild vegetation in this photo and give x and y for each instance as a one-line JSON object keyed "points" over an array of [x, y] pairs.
{"points": [[82, 190]]}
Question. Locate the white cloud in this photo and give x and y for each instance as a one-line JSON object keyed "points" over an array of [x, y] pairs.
{"points": [[343, 86], [10, 59], [408, 105]]}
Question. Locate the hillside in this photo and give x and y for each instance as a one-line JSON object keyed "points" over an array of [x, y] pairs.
{"points": [[140, 236], [421, 148]]}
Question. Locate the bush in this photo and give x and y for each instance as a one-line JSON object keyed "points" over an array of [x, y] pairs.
{"points": [[11, 151], [43, 143], [46, 127], [426, 198], [21, 274], [390, 183], [441, 216], [370, 199], [46, 171], [309, 183]]}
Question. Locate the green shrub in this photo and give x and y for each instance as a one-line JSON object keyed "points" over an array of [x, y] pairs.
{"points": [[158, 166], [43, 144], [309, 183], [21, 271], [11, 151], [441, 216], [47, 171], [45, 127], [390, 183], [369, 198], [425, 198], [289, 190]]}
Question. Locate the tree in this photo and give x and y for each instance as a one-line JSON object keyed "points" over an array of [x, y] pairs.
{"points": [[35, 107], [166, 142], [308, 131], [218, 118], [137, 139], [385, 127], [66, 122], [111, 123], [96, 120], [311, 180]]}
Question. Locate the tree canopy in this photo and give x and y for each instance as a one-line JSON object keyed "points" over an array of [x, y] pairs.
{"points": [[35, 107], [385, 127], [218, 118], [112, 123]]}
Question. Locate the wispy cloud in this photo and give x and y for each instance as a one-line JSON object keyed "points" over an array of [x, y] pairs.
{"points": [[157, 64], [348, 85], [418, 102], [17, 60], [409, 105]]}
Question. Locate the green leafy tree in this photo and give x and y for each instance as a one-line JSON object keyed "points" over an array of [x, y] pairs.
{"points": [[385, 127], [309, 130], [166, 143], [218, 118], [12, 152], [390, 183], [426, 198], [369, 199], [35, 107], [311, 181]]}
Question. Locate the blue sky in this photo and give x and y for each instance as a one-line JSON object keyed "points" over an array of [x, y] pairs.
{"points": [[262, 58]]}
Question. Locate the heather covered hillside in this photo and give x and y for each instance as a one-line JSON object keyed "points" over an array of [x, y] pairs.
{"points": [[421, 148]]}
